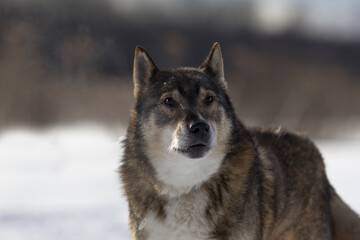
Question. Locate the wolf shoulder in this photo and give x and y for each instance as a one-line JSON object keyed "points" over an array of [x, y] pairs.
{"points": [[294, 153]]}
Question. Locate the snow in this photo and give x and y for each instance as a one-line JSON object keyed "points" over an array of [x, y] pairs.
{"points": [[342, 159], [62, 183]]}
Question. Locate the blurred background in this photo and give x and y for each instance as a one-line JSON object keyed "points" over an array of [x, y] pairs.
{"points": [[66, 91], [291, 63]]}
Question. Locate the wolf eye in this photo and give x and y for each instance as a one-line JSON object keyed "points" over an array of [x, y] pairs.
{"points": [[169, 102], [208, 100]]}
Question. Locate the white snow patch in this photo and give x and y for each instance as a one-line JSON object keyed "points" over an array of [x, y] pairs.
{"points": [[342, 159], [61, 184]]}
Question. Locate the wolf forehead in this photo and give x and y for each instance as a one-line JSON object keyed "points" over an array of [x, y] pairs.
{"points": [[187, 82], [187, 86]]}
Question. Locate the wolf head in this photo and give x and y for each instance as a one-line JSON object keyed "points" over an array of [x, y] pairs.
{"points": [[183, 117]]}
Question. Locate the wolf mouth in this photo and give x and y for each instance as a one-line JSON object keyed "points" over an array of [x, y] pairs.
{"points": [[194, 151]]}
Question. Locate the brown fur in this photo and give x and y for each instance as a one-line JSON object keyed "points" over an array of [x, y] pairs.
{"points": [[270, 184]]}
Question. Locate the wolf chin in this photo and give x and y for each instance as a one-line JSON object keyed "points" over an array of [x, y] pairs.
{"points": [[192, 170]]}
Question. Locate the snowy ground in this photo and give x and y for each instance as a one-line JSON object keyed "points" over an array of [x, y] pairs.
{"points": [[62, 183]]}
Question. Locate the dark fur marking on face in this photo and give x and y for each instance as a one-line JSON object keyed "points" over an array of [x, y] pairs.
{"points": [[197, 89], [182, 91]]}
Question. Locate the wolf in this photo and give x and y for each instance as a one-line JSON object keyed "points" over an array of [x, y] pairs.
{"points": [[192, 170]]}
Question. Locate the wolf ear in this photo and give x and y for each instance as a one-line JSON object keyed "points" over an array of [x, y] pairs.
{"points": [[144, 70], [214, 66]]}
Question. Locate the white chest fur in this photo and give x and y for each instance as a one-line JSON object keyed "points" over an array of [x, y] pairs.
{"points": [[185, 219]]}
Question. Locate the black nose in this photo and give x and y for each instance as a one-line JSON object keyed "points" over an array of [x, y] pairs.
{"points": [[199, 127]]}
